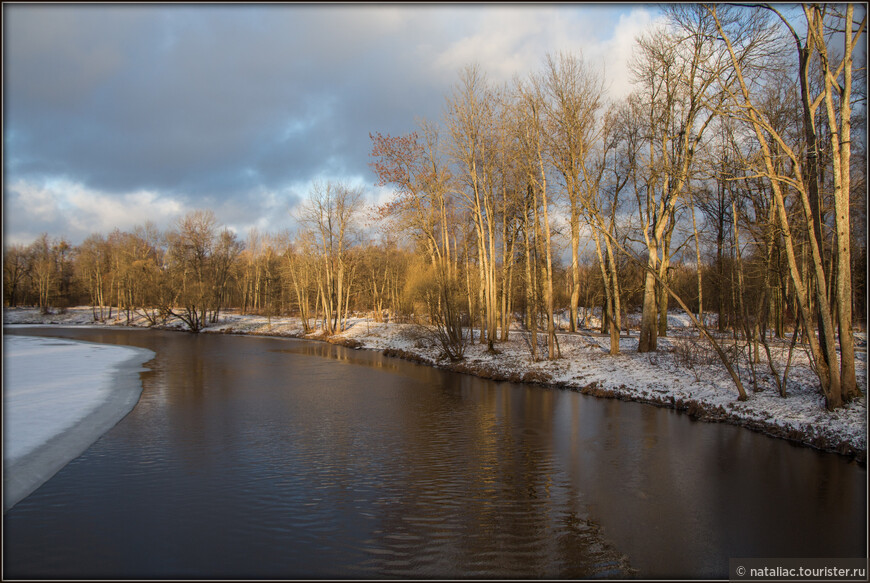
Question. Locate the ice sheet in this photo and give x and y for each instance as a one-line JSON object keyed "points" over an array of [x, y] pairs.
{"points": [[59, 396]]}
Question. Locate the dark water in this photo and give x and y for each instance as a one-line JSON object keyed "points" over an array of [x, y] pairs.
{"points": [[254, 457]]}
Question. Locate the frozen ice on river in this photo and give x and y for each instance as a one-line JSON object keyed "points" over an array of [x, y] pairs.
{"points": [[59, 396]]}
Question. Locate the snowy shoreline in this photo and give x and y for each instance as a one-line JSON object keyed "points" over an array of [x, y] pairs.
{"points": [[52, 414], [703, 390]]}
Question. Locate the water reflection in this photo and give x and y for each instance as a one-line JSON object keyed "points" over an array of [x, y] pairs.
{"points": [[257, 457]]}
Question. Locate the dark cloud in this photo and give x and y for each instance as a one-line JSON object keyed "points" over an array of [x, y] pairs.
{"points": [[180, 98]]}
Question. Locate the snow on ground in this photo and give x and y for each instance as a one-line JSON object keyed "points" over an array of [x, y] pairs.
{"points": [[590, 319], [59, 396], [683, 374]]}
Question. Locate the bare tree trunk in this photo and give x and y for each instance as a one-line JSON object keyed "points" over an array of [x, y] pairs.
{"points": [[661, 294], [616, 317], [509, 293], [575, 265], [507, 277], [552, 350], [699, 265], [481, 289], [611, 309], [841, 143], [531, 282], [648, 338], [492, 310]]}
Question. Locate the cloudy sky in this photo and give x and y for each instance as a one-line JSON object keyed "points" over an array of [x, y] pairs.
{"points": [[114, 115]]}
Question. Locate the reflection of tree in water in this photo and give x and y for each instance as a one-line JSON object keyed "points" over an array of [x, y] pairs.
{"points": [[484, 496]]}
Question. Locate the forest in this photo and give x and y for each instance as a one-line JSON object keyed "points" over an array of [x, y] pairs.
{"points": [[729, 184]]}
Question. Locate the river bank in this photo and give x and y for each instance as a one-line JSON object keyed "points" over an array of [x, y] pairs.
{"points": [[681, 375]]}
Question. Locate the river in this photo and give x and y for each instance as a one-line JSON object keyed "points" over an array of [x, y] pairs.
{"points": [[252, 457]]}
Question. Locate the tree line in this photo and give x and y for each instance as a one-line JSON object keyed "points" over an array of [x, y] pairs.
{"points": [[728, 182]]}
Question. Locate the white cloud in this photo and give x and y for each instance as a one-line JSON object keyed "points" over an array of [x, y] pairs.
{"points": [[514, 40], [615, 53], [500, 44], [263, 209], [41, 202], [64, 208], [93, 211]]}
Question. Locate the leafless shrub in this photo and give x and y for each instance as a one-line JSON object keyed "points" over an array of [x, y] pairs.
{"points": [[694, 354], [415, 333]]}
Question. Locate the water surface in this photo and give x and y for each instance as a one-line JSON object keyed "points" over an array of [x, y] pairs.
{"points": [[261, 457]]}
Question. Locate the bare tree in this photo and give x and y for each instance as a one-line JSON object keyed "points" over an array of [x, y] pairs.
{"points": [[329, 214], [93, 266], [470, 118], [573, 95], [413, 165], [736, 30], [680, 78], [531, 129], [16, 268], [605, 177], [300, 259], [44, 271], [199, 259]]}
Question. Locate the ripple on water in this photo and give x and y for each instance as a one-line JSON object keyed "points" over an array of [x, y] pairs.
{"points": [[253, 458]]}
